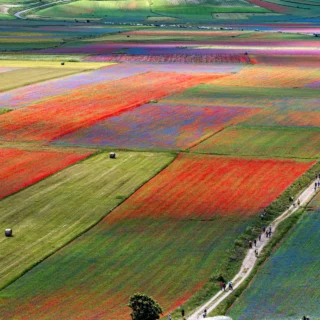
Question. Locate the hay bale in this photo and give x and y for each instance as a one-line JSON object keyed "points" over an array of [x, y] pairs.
{"points": [[8, 232], [112, 155], [62, 63]]}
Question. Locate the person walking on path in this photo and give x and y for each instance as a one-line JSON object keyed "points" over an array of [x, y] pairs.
{"points": [[250, 244], [255, 242], [205, 313], [182, 313], [260, 237], [221, 286], [224, 286], [230, 286], [256, 253], [298, 202]]}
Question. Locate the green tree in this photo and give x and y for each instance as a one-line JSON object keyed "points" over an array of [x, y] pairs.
{"points": [[144, 307]]}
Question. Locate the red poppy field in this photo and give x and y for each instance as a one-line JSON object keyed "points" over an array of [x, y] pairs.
{"points": [[171, 228], [21, 168], [60, 115]]}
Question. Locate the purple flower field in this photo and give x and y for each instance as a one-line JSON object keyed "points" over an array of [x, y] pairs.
{"points": [[30, 94], [157, 126], [27, 95], [313, 85]]}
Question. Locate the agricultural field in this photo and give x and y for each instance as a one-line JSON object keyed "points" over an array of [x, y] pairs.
{"points": [[51, 213], [172, 228], [23, 167], [304, 115], [263, 141], [271, 77], [22, 73], [157, 126], [287, 286], [210, 127], [44, 121]]}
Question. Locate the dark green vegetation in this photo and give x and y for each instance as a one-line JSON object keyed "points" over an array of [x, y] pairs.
{"points": [[144, 307]]}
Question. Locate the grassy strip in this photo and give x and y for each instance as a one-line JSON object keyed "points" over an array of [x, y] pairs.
{"points": [[279, 235], [230, 266], [42, 57], [2, 111]]}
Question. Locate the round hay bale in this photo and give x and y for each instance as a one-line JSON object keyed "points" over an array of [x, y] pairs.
{"points": [[8, 232], [62, 63], [112, 155]]}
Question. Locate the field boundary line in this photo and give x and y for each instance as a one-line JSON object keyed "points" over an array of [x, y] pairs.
{"points": [[250, 259]]}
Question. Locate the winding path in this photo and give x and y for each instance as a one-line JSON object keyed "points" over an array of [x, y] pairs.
{"points": [[19, 14], [250, 259]]}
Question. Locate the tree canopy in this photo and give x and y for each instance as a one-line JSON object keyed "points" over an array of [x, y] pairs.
{"points": [[144, 307]]}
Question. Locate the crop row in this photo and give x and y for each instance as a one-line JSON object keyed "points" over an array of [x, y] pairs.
{"points": [[175, 58]]}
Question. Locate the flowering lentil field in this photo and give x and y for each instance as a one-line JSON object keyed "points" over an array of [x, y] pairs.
{"points": [[287, 286], [60, 115], [156, 126], [222, 125], [174, 216]]}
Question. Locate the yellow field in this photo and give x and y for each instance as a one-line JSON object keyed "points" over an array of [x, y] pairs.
{"points": [[270, 77], [30, 72], [53, 64], [22, 77]]}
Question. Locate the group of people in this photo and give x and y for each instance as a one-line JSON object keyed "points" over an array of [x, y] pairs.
{"points": [[317, 183], [226, 286]]}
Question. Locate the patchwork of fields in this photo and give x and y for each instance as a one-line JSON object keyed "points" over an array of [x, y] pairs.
{"points": [[207, 132], [172, 228]]}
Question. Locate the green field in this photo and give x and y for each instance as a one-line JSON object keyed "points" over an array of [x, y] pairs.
{"points": [[4, 16], [264, 141], [49, 214], [141, 9], [97, 9], [185, 11]]}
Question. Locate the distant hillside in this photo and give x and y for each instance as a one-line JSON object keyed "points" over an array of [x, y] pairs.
{"points": [[158, 11]]}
